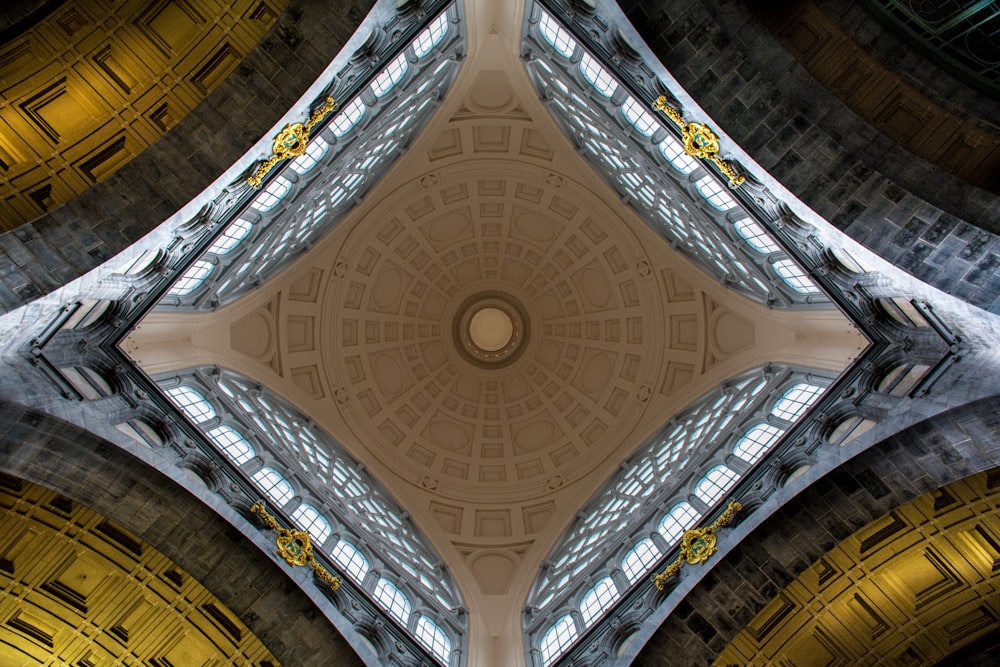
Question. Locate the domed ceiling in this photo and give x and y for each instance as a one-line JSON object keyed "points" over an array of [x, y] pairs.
{"points": [[492, 332]]}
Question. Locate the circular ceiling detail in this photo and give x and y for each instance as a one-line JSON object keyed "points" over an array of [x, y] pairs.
{"points": [[491, 331]]}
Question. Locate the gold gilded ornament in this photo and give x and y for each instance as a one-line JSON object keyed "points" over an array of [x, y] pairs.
{"points": [[295, 546], [697, 545], [699, 141], [291, 142]]}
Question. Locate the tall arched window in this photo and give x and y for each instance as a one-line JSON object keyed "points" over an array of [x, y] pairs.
{"points": [[756, 442], [192, 403], [681, 517], [351, 560], [639, 559], [393, 599], [597, 599], [311, 520], [232, 443], [560, 635], [192, 278], [433, 638], [557, 36], [274, 485], [715, 483], [794, 402]]}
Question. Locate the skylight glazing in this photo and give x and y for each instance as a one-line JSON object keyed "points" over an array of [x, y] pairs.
{"points": [[689, 212], [305, 473], [666, 487]]}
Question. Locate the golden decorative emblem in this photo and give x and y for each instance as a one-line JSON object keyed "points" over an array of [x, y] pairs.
{"points": [[699, 141], [291, 142], [697, 545], [295, 547]]}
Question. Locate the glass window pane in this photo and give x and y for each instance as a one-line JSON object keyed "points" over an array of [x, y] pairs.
{"points": [[431, 36], [557, 36], [559, 636], [597, 599], [390, 76], [598, 77], [715, 483], [311, 520], [433, 637], [274, 485], [192, 403], [232, 444], [639, 559], [715, 193], [677, 520], [796, 278], [756, 442], [393, 599], [796, 401], [353, 561], [194, 276]]}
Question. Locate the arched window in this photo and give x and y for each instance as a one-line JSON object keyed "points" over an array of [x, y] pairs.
{"points": [[559, 636], [755, 235], [274, 485], [311, 520], [194, 276], [390, 75], [272, 194], [348, 117], [393, 599], [715, 483], [673, 150], [636, 114], [232, 443], [756, 442], [431, 36], [639, 559], [557, 36], [796, 278], [715, 193], [192, 403], [677, 520], [231, 237], [796, 401], [597, 599], [315, 150], [598, 77], [433, 638], [351, 560]]}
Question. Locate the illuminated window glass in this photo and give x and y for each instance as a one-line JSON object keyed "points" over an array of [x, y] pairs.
{"points": [[560, 635], [639, 559], [715, 483], [598, 599], [431, 36], [673, 150], [433, 638], [348, 117], [390, 76], [755, 235], [315, 150], [309, 519], [272, 194], [274, 485], [598, 77], [677, 520], [232, 443], [715, 193], [393, 599], [796, 278], [192, 278], [231, 237], [796, 401], [192, 402], [557, 36], [351, 560], [756, 441], [643, 121]]}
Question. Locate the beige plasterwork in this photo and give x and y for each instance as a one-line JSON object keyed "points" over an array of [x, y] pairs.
{"points": [[493, 462]]}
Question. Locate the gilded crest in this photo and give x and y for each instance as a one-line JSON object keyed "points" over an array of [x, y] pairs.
{"points": [[295, 547], [697, 545]]}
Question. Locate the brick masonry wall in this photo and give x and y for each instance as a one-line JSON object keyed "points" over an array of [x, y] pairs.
{"points": [[913, 462], [67, 242], [935, 226], [101, 476]]}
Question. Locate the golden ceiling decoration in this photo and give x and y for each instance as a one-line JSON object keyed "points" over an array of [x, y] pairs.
{"points": [[699, 141], [77, 589], [295, 546], [697, 545], [291, 142], [911, 588]]}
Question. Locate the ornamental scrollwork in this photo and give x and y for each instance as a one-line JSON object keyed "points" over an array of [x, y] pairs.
{"points": [[291, 142], [697, 545], [295, 546], [699, 141]]}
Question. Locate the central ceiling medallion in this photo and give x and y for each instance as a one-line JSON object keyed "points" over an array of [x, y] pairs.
{"points": [[491, 329]]}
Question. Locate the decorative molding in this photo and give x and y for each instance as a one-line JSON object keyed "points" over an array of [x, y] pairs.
{"points": [[295, 546], [697, 545]]}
